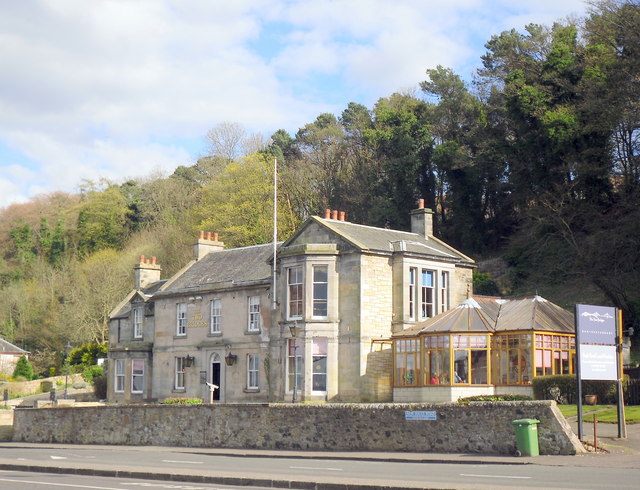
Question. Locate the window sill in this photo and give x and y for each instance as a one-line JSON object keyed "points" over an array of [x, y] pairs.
{"points": [[176, 337], [178, 390], [251, 390], [214, 334], [252, 332]]}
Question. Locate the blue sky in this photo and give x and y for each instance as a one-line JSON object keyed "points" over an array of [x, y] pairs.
{"points": [[122, 89]]}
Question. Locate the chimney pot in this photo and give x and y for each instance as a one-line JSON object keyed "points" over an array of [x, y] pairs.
{"points": [[420, 203], [148, 261], [327, 214], [215, 237], [209, 235], [343, 216], [142, 259], [201, 235], [334, 214], [153, 260]]}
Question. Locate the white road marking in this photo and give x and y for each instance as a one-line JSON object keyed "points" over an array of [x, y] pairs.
{"points": [[58, 457], [314, 468], [185, 462], [497, 476]]}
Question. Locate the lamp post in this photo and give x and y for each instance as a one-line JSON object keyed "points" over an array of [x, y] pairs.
{"points": [[67, 349], [294, 331]]}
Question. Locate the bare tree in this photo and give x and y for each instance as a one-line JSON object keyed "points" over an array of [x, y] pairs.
{"points": [[226, 140]]}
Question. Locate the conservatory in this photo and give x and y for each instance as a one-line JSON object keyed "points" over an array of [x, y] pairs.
{"points": [[485, 346]]}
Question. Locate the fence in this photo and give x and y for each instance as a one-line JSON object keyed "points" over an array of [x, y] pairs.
{"points": [[632, 392]]}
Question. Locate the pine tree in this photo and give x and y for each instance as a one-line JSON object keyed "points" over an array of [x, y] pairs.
{"points": [[24, 369]]}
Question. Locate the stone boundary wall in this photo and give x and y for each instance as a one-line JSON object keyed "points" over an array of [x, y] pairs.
{"points": [[482, 427]]}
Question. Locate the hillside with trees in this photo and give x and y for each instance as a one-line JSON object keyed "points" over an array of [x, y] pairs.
{"points": [[536, 163]]}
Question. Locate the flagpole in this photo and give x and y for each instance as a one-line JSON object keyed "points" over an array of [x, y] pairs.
{"points": [[275, 229]]}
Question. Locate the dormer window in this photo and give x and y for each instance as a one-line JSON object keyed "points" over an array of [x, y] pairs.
{"points": [[138, 316]]}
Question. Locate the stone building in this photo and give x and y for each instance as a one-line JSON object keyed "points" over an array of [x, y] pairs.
{"points": [[314, 327]]}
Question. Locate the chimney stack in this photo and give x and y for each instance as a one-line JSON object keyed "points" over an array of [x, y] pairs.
{"points": [[205, 245], [146, 272], [422, 220]]}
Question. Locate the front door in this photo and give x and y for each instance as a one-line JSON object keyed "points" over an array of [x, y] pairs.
{"points": [[216, 379]]}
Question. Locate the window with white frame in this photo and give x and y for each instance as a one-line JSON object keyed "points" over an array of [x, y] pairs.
{"points": [[294, 366], [294, 289], [137, 375], [254, 314], [138, 315], [181, 319], [319, 376], [119, 377], [253, 371], [320, 291], [444, 291], [215, 324], [412, 292], [178, 383], [427, 296]]}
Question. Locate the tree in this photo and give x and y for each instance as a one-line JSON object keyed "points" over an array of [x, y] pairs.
{"points": [[226, 140], [102, 220], [24, 369], [239, 204], [403, 142]]}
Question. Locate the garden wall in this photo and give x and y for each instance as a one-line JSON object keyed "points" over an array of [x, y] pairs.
{"points": [[482, 427]]}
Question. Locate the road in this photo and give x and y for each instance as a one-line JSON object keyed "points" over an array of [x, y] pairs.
{"points": [[265, 470], [20, 480]]}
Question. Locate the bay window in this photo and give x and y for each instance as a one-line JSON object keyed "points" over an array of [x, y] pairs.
{"points": [[319, 374], [295, 292], [137, 375], [320, 291]]}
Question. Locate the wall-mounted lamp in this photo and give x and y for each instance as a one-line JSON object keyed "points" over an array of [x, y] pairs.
{"points": [[188, 361], [230, 359]]}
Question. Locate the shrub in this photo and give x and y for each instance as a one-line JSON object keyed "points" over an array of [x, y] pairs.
{"points": [[100, 387], [87, 354], [494, 398], [24, 369], [89, 373], [181, 401], [562, 389]]}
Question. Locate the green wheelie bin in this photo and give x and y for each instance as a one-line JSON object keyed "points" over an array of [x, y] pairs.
{"points": [[526, 437]]}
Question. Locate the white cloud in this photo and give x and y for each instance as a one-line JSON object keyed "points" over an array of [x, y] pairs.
{"points": [[112, 89]]}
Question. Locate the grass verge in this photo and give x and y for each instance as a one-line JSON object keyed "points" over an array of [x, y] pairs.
{"points": [[604, 413]]}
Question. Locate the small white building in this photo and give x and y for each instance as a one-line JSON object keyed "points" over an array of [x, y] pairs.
{"points": [[9, 356]]}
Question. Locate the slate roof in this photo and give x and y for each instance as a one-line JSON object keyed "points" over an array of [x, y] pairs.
{"points": [[384, 240], [124, 308], [225, 268], [7, 347], [493, 315]]}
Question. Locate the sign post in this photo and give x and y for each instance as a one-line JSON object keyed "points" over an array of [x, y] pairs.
{"points": [[598, 341]]}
